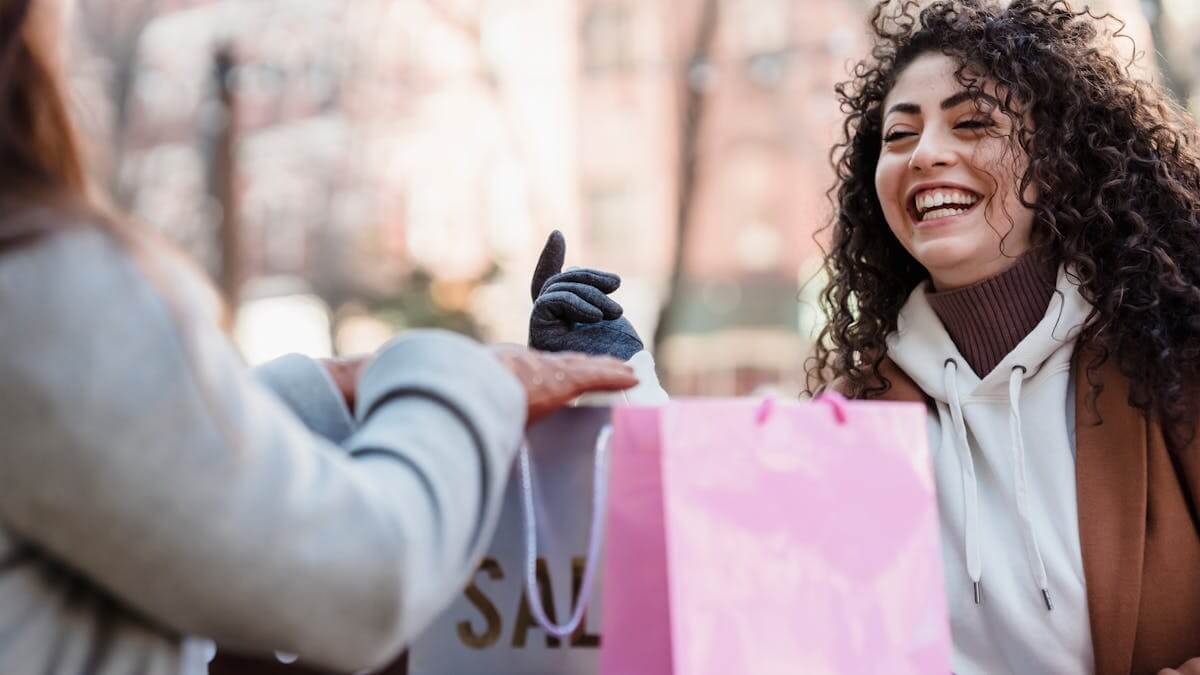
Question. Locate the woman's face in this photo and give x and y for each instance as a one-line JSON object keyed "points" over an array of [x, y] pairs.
{"points": [[948, 176]]}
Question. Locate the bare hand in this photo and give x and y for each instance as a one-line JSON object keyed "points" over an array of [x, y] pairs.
{"points": [[552, 380], [1192, 667], [345, 373]]}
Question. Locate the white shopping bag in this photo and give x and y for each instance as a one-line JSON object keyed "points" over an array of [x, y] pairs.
{"points": [[492, 627]]}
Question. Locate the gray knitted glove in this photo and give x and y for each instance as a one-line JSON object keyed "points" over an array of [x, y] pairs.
{"points": [[572, 310]]}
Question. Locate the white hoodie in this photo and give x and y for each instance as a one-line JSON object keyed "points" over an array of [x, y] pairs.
{"points": [[1003, 451]]}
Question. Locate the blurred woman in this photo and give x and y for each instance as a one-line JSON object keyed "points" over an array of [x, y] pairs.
{"points": [[155, 489]]}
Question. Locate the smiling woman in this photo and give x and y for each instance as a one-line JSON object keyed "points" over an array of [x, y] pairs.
{"points": [[1017, 246]]}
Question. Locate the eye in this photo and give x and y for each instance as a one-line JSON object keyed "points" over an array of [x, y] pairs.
{"points": [[898, 135], [973, 125]]}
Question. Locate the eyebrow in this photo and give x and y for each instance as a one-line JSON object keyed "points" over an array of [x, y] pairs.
{"points": [[952, 101]]}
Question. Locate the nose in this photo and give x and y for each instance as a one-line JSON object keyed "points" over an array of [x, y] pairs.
{"points": [[933, 150]]}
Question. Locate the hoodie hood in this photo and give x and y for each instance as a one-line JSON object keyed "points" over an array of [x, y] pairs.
{"points": [[920, 346]]}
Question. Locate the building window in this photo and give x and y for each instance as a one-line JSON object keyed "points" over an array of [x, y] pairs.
{"points": [[607, 37]]}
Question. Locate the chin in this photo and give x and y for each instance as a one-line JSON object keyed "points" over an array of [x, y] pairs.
{"points": [[950, 258]]}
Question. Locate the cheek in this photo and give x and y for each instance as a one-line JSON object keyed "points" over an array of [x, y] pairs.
{"points": [[1001, 171], [1010, 218], [888, 174], [1001, 165]]}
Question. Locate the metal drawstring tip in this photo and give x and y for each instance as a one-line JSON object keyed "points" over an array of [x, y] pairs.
{"points": [[1046, 597], [978, 593]]}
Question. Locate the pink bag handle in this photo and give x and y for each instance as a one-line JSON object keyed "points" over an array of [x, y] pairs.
{"points": [[599, 499], [834, 399]]}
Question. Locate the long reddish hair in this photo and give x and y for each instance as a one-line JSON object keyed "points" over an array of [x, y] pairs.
{"points": [[43, 170], [44, 180], [40, 154]]}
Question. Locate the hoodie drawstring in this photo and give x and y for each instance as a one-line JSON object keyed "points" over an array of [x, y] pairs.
{"points": [[971, 487], [1034, 554]]}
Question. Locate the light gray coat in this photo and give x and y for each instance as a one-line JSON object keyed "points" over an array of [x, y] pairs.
{"points": [[152, 488]]}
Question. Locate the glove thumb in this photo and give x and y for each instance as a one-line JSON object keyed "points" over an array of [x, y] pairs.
{"points": [[549, 263]]}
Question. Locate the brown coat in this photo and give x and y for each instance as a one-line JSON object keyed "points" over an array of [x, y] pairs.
{"points": [[1138, 528]]}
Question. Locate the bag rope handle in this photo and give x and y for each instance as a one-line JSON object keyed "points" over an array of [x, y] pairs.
{"points": [[599, 499]]}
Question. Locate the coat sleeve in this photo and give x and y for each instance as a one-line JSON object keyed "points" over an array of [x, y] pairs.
{"points": [[142, 453], [306, 388]]}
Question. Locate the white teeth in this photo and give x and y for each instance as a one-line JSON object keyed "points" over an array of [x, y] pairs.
{"points": [[942, 213], [931, 199]]}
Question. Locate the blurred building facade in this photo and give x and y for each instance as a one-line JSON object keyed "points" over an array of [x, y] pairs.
{"points": [[404, 160]]}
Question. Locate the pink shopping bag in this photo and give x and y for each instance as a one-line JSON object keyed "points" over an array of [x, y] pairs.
{"points": [[798, 539]]}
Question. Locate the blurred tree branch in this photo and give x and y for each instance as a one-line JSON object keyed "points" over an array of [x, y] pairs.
{"points": [[223, 174], [464, 23], [1141, 41], [469, 24], [1171, 78], [114, 30], [694, 84]]}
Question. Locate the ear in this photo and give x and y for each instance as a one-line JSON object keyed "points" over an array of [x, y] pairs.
{"points": [[549, 263]]}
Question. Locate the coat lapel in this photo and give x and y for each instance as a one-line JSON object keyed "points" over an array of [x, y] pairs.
{"points": [[1110, 475]]}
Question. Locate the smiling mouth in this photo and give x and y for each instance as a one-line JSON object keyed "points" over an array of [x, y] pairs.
{"points": [[928, 206]]}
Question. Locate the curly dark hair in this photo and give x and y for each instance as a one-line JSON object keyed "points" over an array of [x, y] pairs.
{"points": [[1114, 164]]}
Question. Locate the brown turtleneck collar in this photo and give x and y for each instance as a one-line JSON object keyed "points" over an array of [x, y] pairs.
{"points": [[987, 320]]}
